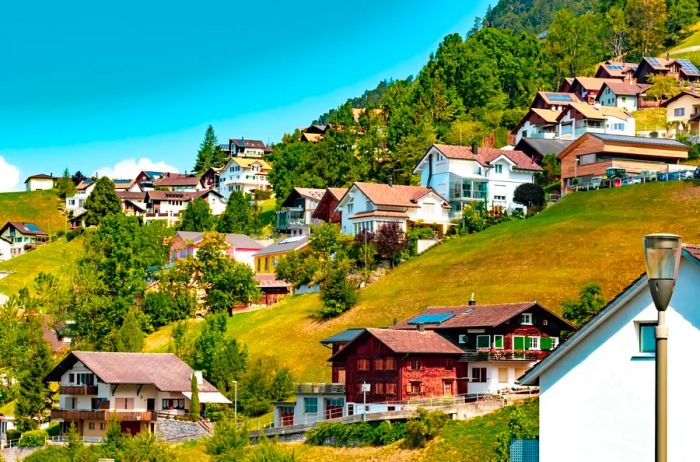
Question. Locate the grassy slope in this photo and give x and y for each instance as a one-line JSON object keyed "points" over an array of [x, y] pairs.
{"points": [[692, 40], [39, 207], [594, 236], [48, 258], [650, 119]]}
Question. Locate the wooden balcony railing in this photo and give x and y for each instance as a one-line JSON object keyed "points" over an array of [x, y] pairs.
{"points": [[72, 415], [78, 390]]}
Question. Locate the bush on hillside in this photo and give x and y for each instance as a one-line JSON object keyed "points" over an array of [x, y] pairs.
{"points": [[33, 438], [360, 434], [338, 293], [529, 195], [228, 440], [424, 427], [269, 451]]}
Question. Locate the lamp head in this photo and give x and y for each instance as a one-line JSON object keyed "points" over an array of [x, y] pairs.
{"points": [[662, 255]]}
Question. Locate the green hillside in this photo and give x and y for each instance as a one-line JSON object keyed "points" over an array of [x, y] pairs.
{"points": [[593, 236], [39, 207], [49, 258]]}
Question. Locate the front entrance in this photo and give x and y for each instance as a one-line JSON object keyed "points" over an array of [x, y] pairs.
{"points": [[151, 404]]}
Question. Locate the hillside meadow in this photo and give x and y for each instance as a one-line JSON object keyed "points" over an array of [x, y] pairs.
{"points": [[586, 237], [38, 207]]}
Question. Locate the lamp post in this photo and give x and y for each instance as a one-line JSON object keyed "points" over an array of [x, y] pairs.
{"points": [[662, 254]]}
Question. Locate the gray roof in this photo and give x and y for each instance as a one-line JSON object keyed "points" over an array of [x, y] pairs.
{"points": [[639, 140], [543, 146], [345, 336], [234, 240], [285, 245]]}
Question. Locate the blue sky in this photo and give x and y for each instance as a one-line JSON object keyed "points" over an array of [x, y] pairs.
{"points": [[113, 87]]}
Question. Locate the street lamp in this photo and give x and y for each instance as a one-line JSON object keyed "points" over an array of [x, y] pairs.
{"points": [[662, 254]]}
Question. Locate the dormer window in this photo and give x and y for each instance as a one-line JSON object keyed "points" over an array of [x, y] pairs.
{"points": [[499, 168], [526, 319]]}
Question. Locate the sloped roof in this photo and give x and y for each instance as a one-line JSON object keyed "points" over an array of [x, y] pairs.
{"points": [[591, 112], [486, 155], [338, 193], [131, 195], [284, 245], [680, 95], [471, 315], [245, 143], [593, 83], [311, 193], [618, 68], [234, 240], [247, 162], [177, 181], [270, 281], [659, 64], [312, 137], [547, 115], [164, 370], [623, 88], [40, 176], [345, 336], [84, 184], [408, 341], [639, 140], [393, 195], [558, 97], [544, 146], [28, 229]]}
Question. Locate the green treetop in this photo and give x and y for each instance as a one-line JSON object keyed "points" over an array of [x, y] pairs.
{"points": [[102, 202]]}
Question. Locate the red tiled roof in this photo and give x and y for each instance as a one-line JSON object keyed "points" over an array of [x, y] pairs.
{"points": [[164, 370], [270, 280], [472, 315], [338, 193], [487, 155], [311, 193], [28, 229], [131, 195], [593, 83], [407, 341], [177, 181], [622, 88]]}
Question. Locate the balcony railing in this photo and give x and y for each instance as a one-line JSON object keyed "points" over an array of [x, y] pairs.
{"points": [[320, 388], [72, 415], [77, 390], [504, 355]]}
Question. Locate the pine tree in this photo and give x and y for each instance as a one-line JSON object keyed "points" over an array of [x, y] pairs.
{"points": [[194, 401], [209, 154], [130, 337], [33, 395], [197, 217], [240, 217], [102, 202], [64, 185]]}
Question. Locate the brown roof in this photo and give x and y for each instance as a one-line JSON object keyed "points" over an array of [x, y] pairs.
{"points": [[270, 280], [171, 195], [393, 195], [626, 67], [28, 229], [311, 193], [338, 193], [680, 95], [471, 315], [84, 184], [486, 155], [40, 176], [622, 88], [164, 370], [593, 83], [379, 213], [177, 181], [408, 341], [545, 96], [592, 112], [242, 142], [131, 195], [547, 114]]}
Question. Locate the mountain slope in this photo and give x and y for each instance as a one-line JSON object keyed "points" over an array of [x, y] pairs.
{"points": [[594, 236], [532, 16], [39, 207]]}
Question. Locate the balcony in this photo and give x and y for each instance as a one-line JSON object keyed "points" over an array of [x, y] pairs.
{"points": [[78, 390], [503, 355], [74, 414], [319, 388], [290, 217]]}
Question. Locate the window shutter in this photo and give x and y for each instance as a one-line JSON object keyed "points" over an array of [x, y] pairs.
{"points": [[518, 343], [545, 343]]}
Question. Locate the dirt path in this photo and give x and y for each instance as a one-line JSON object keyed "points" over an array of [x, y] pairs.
{"points": [[685, 50]]}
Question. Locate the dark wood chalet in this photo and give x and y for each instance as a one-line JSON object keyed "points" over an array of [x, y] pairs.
{"points": [[326, 209]]}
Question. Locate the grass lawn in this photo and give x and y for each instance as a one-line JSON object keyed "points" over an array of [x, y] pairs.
{"points": [[267, 211], [48, 258], [38, 207], [585, 237], [650, 119], [693, 56], [691, 40]]}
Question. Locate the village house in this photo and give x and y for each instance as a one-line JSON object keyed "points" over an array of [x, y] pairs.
{"points": [[40, 182], [587, 159], [133, 203], [210, 178], [313, 133], [22, 236], [626, 96], [146, 179], [75, 204], [537, 148], [241, 147], [314, 402], [240, 248], [369, 206], [296, 215], [679, 69], [135, 388], [683, 112], [168, 205], [538, 123], [498, 342], [604, 378], [246, 175], [326, 210], [5, 249], [266, 259], [126, 185], [556, 101], [616, 70], [465, 175], [581, 118], [179, 183], [587, 88]]}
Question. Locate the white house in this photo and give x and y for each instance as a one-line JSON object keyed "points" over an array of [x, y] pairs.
{"points": [[296, 215], [602, 379], [581, 118], [245, 175], [242, 147], [40, 182], [368, 206], [314, 402], [5, 249], [464, 175], [623, 95], [76, 202], [133, 387], [683, 109]]}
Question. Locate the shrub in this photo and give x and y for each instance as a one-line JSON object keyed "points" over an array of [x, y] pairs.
{"points": [[228, 440], [33, 438], [529, 194], [54, 429], [359, 434], [72, 234], [338, 293], [424, 427], [269, 451], [12, 435]]}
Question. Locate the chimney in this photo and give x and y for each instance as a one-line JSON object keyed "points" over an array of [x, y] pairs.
{"points": [[472, 300], [391, 181], [475, 148], [198, 374], [420, 327]]}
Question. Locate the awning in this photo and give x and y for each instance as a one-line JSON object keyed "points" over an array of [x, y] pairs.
{"points": [[213, 397]]}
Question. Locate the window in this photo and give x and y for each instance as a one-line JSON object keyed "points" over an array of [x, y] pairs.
{"points": [[533, 343], [679, 112], [99, 403], [499, 168], [71, 378], [389, 364], [91, 425], [483, 341], [415, 365], [447, 387], [379, 364], [566, 129], [259, 264], [647, 337], [479, 374], [169, 404], [102, 425], [267, 264], [379, 388], [518, 342], [390, 388], [128, 403], [449, 364], [502, 375], [526, 319], [310, 405], [498, 342], [499, 198], [462, 338], [363, 364], [414, 387], [86, 379]]}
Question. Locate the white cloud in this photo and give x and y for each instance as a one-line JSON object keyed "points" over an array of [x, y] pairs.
{"points": [[9, 176], [129, 168]]}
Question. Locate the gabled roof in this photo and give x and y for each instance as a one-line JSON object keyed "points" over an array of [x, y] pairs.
{"points": [[177, 181], [345, 336], [85, 184], [651, 143], [245, 143], [240, 241], [680, 95], [165, 371], [205, 192], [547, 115], [406, 341], [131, 195], [485, 156], [306, 193], [658, 64], [473, 315], [558, 98], [284, 245], [40, 176], [592, 112], [543, 146], [624, 88], [246, 162], [592, 83], [28, 229], [382, 194], [617, 68], [338, 193]]}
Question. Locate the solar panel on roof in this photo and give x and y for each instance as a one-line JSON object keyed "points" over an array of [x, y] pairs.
{"points": [[615, 67], [654, 62], [431, 318], [688, 66], [559, 97], [32, 227]]}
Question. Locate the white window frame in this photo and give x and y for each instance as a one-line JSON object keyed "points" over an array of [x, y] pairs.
{"points": [[488, 342], [462, 339], [533, 343], [526, 319], [502, 342], [499, 168]]}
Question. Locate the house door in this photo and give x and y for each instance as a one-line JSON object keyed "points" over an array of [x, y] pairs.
{"points": [[151, 404], [462, 378], [131, 427]]}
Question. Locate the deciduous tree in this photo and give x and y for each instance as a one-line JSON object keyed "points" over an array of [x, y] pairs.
{"points": [[590, 302], [197, 217], [102, 202]]}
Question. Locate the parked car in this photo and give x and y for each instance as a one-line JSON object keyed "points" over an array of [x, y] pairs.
{"points": [[631, 180], [613, 172], [696, 173]]}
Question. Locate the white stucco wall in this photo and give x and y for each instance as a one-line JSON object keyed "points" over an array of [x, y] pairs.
{"points": [[686, 102], [597, 402], [626, 102], [493, 384], [39, 184]]}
